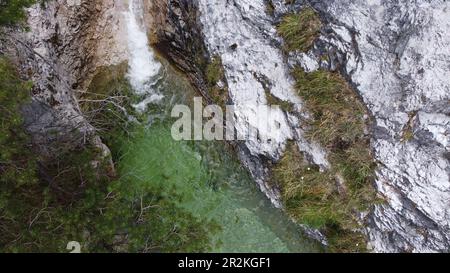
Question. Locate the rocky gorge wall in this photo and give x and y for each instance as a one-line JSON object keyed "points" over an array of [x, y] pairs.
{"points": [[396, 55], [66, 42], [393, 55], [176, 34]]}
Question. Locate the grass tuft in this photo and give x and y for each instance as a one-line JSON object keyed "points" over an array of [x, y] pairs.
{"points": [[329, 200], [408, 130], [338, 114], [300, 30], [338, 124], [311, 197]]}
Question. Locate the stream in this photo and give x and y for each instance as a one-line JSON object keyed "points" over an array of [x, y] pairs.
{"points": [[208, 173]]}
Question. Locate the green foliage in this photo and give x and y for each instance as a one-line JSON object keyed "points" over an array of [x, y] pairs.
{"points": [[46, 204], [17, 164], [300, 30], [85, 205], [43, 217], [12, 11], [36, 196]]}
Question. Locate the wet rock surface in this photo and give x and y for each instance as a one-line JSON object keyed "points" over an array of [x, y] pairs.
{"points": [[176, 34]]}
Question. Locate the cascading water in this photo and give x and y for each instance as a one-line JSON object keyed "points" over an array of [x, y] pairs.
{"points": [[144, 69]]}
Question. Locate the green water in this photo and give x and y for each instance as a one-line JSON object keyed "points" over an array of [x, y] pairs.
{"points": [[211, 178]]}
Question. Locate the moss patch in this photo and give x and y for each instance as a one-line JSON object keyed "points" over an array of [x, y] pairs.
{"points": [[408, 130], [300, 30]]}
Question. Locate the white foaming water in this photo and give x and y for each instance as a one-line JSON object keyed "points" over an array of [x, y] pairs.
{"points": [[143, 67]]}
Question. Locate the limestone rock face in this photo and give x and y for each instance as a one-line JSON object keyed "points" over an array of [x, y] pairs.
{"points": [[395, 53], [66, 42], [402, 72]]}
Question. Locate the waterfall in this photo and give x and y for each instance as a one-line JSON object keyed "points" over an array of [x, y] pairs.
{"points": [[144, 69]]}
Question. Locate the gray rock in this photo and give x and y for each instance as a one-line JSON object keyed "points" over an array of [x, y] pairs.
{"points": [[60, 54], [397, 57]]}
